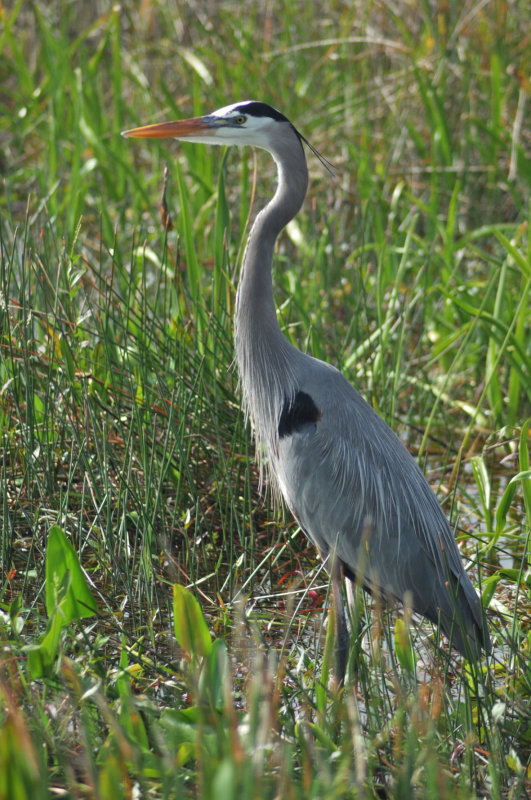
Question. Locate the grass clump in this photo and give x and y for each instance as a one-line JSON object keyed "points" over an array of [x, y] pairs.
{"points": [[122, 441]]}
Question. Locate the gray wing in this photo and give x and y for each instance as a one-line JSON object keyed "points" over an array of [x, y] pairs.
{"points": [[356, 491]]}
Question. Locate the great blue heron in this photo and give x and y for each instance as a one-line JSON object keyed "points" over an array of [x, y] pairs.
{"points": [[354, 489]]}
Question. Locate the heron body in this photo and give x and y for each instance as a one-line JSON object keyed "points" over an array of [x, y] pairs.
{"points": [[352, 486]]}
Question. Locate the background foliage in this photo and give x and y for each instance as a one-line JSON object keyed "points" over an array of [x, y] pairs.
{"points": [[121, 436]]}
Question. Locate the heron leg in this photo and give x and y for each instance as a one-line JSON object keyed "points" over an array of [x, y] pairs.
{"points": [[342, 637]]}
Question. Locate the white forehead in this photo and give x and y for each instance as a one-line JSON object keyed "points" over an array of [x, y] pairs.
{"points": [[233, 110]]}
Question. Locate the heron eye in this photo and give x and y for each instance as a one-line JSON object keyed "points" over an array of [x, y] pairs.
{"points": [[240, 120]]}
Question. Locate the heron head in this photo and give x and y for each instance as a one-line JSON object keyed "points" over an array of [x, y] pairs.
{"points": [[249, 122]]}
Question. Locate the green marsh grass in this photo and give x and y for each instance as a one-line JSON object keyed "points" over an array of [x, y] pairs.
{"points": [[120, 421]]}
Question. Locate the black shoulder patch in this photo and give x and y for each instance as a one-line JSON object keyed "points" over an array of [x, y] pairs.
{"points": [[301, 411], [257, 109]]}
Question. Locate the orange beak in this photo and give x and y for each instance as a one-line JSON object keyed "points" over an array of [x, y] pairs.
{"points": [[171, 130]]}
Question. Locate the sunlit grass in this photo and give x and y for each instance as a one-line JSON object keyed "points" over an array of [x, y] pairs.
{"points": [[119, 406]]}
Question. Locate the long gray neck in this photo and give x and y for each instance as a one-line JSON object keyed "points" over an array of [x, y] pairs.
{"points": [[266, 361]]}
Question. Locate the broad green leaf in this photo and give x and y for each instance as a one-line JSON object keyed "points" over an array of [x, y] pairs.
{"points": [[41, 657], [488, 588], [483, 483], [191, 630], [503, 507], [75, 599], [404, 648], [321, 736], [215, 674]]}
